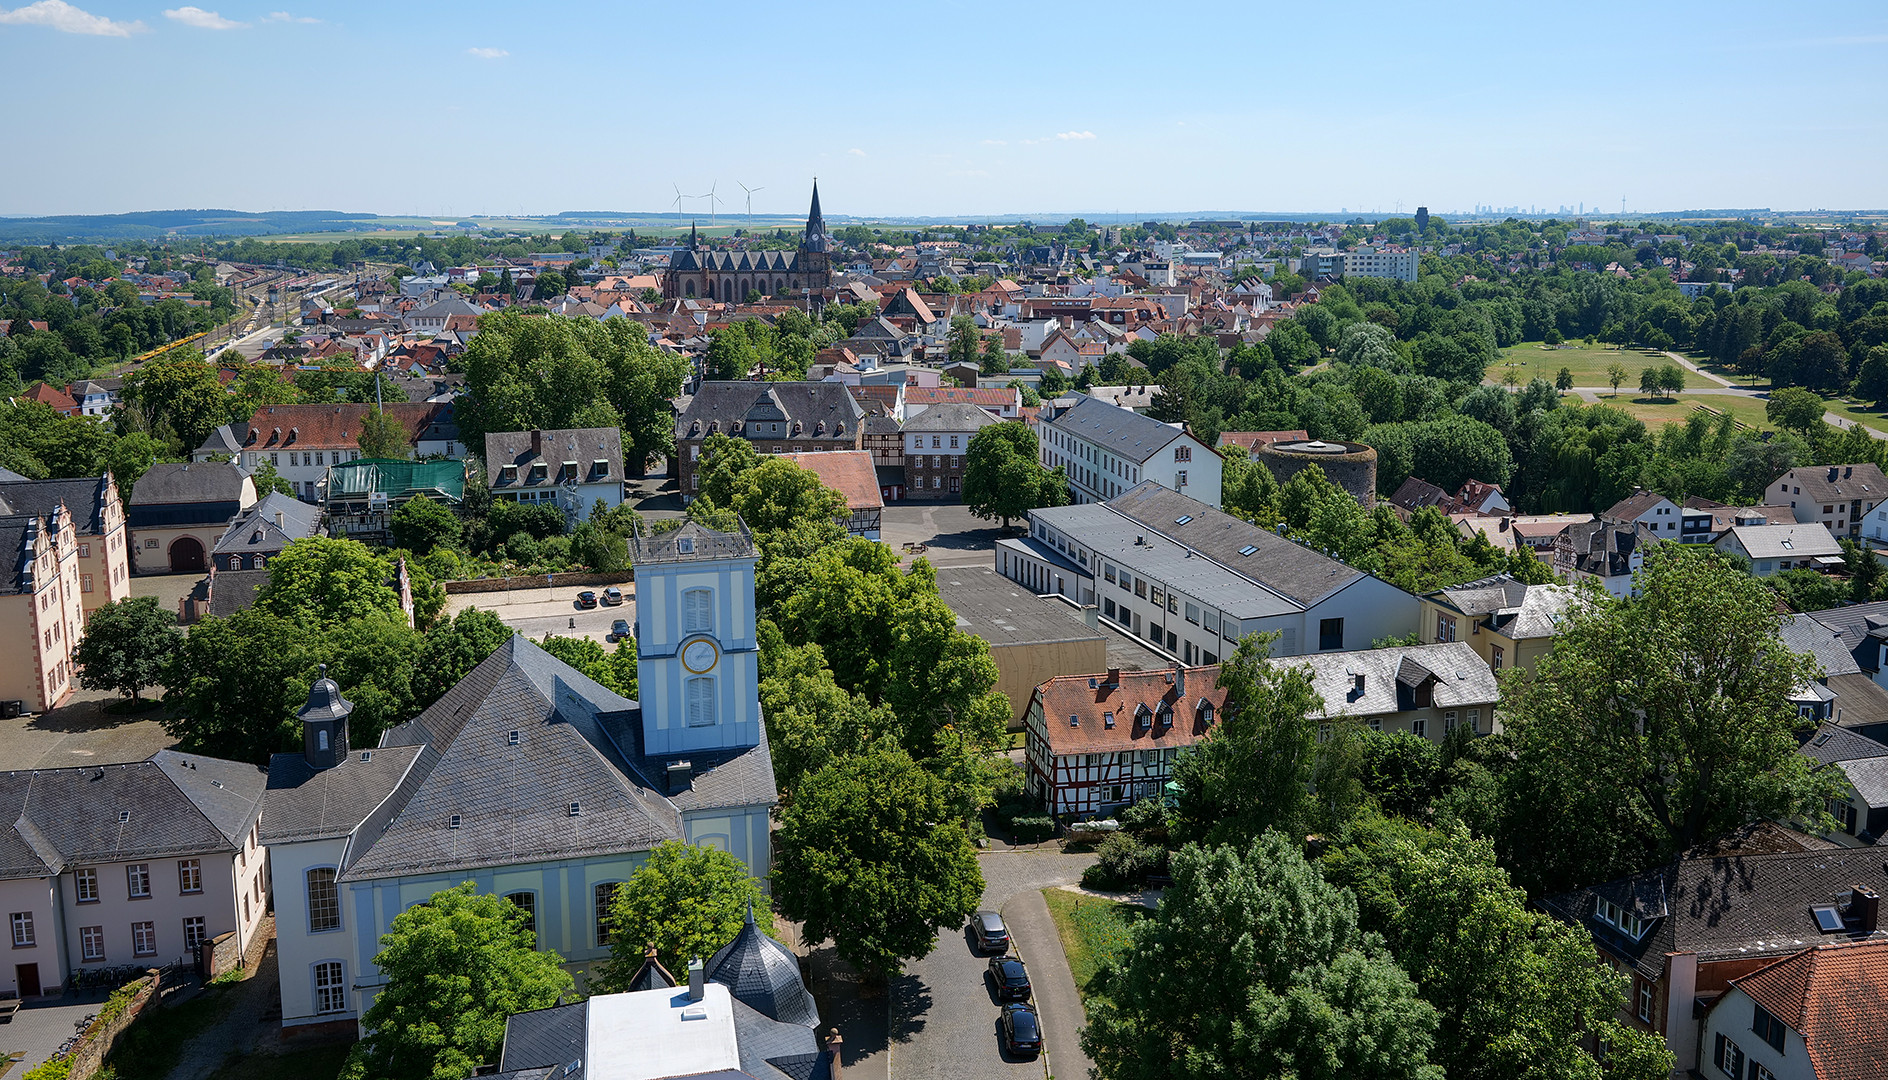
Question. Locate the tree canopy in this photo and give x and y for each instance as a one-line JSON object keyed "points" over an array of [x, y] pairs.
{"points": [[687, 901], [1004, 477]]}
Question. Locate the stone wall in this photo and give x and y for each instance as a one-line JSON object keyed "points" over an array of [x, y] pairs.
{"points": [[536, 581], [221, 955], [102, 1038]]}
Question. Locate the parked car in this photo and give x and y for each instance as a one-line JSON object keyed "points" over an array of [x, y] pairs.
{"points": [[619, 630], [586, 599], [613, 596], [992, 935], [1022, 1034], [1011, 978]]}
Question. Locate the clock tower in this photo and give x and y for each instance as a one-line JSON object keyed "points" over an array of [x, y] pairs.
{"points": [[697, 659]]}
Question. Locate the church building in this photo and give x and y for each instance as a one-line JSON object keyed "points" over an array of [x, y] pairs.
{"points": [[527, 779], [729, 276]]}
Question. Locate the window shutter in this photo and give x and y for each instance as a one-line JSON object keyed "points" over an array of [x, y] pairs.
{"points": [[701, 702], [697, 605], [1717, 1057]]}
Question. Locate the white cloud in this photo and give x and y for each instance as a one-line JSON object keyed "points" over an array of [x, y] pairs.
{"points": [[201, 19], [856, 152], [63, 17], [487, 54], [285, 17], [996, 142], [1066, 135]]}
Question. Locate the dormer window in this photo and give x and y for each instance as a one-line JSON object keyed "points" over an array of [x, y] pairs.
{"points": [[1620, 918], [600, 469], [568, 473], [508, 474], [538, 472]]}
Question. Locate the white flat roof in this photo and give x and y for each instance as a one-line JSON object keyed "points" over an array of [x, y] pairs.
{"points": [[645, 1035]]}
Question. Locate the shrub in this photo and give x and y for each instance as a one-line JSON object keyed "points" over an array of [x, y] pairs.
{"points": [[1030, 830], [1149, 813], [521, 548], [1124, 863], [56, 1069]]}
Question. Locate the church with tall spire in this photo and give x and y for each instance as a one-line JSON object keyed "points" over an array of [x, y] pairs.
{"points": [[730, 276]]}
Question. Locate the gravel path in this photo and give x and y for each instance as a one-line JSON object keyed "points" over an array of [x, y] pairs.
{"points": [[240, 1029]]}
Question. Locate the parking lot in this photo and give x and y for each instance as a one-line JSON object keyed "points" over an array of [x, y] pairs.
{"points": [[951, 534], [943, 1013], [537, 612]]}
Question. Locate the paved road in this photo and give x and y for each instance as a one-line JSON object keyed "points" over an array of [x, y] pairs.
{"points": [[943, 1018], [537, 612]]}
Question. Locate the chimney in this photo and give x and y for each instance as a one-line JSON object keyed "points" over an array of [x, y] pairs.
{"points": [[1114, 678], [835, 1053], [278, 520], [1832, 473], [1089, 617], [1179, 681], [679, 775], [1865, 905], [537, 442], [1848, 471], [697, 979]]}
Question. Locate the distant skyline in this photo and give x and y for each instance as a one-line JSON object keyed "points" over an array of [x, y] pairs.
{"points": [[962, 110]]}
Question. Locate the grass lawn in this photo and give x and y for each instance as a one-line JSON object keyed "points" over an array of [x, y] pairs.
{"points": [[1094, 931], [314, 1063], [1531, 359], [1859, 411], [1656, 411]]}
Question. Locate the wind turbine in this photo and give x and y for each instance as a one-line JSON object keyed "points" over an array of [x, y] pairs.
{"points": [[712, 200], [750, 199], [678, 202]]}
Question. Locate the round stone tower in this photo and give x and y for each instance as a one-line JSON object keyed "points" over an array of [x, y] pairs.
{"points": [[1351, 466]]}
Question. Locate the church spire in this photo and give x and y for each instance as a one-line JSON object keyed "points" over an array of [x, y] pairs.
{"points": [[693, 242], [815, 239]]}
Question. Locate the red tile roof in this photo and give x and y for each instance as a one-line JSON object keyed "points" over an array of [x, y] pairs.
{"points": [[51, 395], [849, 472], [1123, 693], [326, 427], [1830, 995]]}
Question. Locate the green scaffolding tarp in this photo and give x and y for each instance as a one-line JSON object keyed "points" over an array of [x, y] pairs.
{"points": [[397, 480]]}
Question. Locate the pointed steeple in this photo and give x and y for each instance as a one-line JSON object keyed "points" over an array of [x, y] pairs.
{"points": [[694, 242], [815, 239]]}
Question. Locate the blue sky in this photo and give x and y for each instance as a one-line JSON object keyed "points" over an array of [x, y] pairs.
{"points": [[953, 109]]}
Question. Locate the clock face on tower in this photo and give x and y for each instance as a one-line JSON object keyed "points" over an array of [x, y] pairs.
{"points": [[700, 655]]}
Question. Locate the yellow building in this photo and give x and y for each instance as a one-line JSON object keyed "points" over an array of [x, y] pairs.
{"points": [[98, 522], [1509, 624]]}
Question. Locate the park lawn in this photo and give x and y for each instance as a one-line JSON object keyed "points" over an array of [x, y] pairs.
{"points": [[1531, 359], [1861, 412], [1094, 931], [1657, 411]]}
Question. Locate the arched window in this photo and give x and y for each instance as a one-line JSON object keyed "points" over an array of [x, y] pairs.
{"points": [[321, 739], [688, 288], [235, 562], [324, 903], [700, 697], [698, 611]]}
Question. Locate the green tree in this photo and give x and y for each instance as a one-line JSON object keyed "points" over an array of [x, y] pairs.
{"points": [[421, 524], [1865, 572], [1652, 382], [1004, 477], [1254, 965], [268, 480], [549, 284], [453, 647], [1794, 409], [961, 347], [328, 581], [685, 900], [384, 437], [182, 390], [1563, 380], [1615, 375], [614, 669], [456, 967], [1252, 770], [1518, 992], [811, 719], [128, 645], [995, 361], [1655, 723], [870, 855]]}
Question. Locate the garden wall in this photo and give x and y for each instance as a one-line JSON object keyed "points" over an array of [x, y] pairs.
{"points": [[536, 581], [89, 1056]]}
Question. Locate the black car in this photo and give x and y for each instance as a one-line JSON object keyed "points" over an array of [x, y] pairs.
{"points": [[619, 630], [1011, 978], [1022, 1035], [586, 599], [992, 935]]}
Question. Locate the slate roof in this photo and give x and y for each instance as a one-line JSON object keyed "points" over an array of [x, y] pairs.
{"points": [[169, 806], [1803, 634], [822, 411], [1291, 570], [1869, 777], [199, 482], [1861, 627], [1518, 610], [1838, 483], [1831, 995], [19, 539], [84, 498], [1124, 434], [690, 543], [255, 529], [1860, 701], [1723, 906], [513, 800], [764, 975], [524, 449], [546, 1038], [955, 416], [1831, 744], [306, 803], [235, 590], [1456, 676]]}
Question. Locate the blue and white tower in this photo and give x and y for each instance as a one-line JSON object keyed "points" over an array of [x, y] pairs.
{"points": [[697, 659]]}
